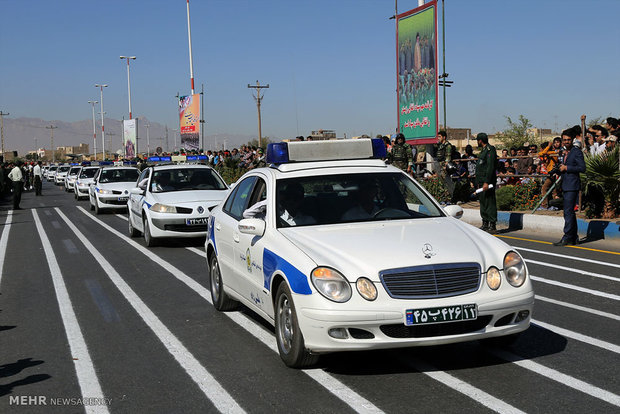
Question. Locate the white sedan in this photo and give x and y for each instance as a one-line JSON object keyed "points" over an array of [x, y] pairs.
{"points": [[110, 188], [349, 254], [71, 178], [174, 201], [84, 179]]}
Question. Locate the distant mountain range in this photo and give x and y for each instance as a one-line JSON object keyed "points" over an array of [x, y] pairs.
{"points": [[26, 134]]}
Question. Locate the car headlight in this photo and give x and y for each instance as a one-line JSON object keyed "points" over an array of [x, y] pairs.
{"points": [[331, 284], [103, 191], [162, 208], [494, 279], [514, 269], [366, 288]]}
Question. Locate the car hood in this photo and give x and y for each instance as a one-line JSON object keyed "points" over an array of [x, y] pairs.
{"points": [[365, 249], [190, 197], [117, 186]]}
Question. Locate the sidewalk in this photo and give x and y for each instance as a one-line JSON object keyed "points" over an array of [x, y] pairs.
{"points": [[549, 222]]}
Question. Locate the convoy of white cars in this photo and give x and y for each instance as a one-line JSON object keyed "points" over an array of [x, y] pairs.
{"points": [[333, 247]]}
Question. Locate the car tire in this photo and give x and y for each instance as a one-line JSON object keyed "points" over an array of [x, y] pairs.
{"points": [[221, 301], [149, 240], [132, 230], [288, 335], [92, 207], [97, 209]]}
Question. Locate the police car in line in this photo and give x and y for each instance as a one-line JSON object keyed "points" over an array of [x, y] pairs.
{"points": [[84, 180], [110, 188], [174, 201], [342, 252], [51, 173], [61, 174], [72, 177]]}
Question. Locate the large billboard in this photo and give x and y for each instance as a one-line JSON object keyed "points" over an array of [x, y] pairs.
{"points": [[416, 64], [189, 119], [130, 138]]}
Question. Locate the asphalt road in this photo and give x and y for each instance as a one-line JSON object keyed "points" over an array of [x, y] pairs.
{"points": [[92, 321]]}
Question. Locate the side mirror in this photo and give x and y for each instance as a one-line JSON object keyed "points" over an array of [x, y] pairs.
{"points": [[253, 226], [136, 191], [454, 211]]}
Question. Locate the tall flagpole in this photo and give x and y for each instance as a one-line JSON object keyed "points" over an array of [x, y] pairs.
{"points": [[191, 60]]}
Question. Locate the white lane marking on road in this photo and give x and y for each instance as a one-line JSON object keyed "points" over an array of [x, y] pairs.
{"points": [[4, 240], [581, 308], [197, 251], [579, 337], [573, 270], [84, 368], [554, 375], [581, 259], [332, 384], [205, 381], [573, 287], [468, 390], [121, 216]]}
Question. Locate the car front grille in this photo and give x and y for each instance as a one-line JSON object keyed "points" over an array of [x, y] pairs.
{"points": [[184, 210], [185, 229], [436, 329], [431, 281], [113, 202]]}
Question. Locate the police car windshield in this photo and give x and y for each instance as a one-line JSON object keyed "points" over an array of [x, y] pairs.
{"points": [[63, 168], [120, 175], [74, 170], [53, 168], [185, 179], [346, 198], [88, 172]]}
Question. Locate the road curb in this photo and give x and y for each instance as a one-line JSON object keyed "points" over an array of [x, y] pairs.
{"points": [[592, 229]]}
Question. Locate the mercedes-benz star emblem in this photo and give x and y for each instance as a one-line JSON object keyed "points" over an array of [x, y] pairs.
{"points": [[201, 210], [427, 249]]}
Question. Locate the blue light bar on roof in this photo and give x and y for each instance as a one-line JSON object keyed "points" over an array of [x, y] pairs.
{"points": [[378, 148], [154, 159], [277, 153], [192, 158], [202, 157], [333, 150], [165, 158]]}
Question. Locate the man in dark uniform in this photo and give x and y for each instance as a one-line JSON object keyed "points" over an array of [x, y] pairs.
{"points": [[570, 167], [444, 156], [401, 156], [486, 175]]}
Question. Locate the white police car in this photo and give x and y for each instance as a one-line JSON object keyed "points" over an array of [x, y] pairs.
{"points": [[84, 179], [352, 254], [51, 173], [110, 188], [174, 201], [72, 177], [61, 174]]}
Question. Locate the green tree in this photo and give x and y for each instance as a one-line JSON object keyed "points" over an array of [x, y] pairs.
{"points": [[603, 175], [516, 135]]}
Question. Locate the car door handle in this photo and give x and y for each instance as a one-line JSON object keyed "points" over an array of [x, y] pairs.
{"points": [[236, 237], [217, 226]]}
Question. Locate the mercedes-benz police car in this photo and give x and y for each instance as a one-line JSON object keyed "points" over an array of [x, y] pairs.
{"points": [[174, 201], [72, 177], [61, 174], [342, 252], [110, 188], [84, 179]]}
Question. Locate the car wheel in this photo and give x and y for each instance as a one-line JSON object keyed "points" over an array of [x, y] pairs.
{"points": [[288, 335], [132, 230], [221, 301], [148, 238], [97, 209], [92, 206]]}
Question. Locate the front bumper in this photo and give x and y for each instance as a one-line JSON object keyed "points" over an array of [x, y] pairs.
{"points": [[384, 327], [81, 191], [175, 225], [111, 201]]}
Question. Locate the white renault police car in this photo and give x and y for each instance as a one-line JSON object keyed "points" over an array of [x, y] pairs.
{"points": [[348, 253], [84, 179], [51, 173], [72, 177], [174, 201], [110, 188], [61, 174]]}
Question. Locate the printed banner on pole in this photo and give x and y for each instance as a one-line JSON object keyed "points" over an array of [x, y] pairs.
{"points": [[416, 63], [189, 119], [130, 137]]}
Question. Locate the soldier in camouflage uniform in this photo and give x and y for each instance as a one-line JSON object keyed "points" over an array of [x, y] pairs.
{"points": [[401, 155], [485, 175], [444, 156]]}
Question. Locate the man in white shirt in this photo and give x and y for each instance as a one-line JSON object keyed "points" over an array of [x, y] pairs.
{"points": [[16, 178], [38, 178]]}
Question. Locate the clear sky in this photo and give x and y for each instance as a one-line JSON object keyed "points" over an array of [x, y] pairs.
{"points": [[330, 63]]}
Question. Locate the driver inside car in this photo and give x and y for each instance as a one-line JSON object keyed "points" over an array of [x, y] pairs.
{"points": [[365, 207], [291, 201]]}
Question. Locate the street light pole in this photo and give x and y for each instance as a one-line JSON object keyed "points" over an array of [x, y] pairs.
{"points": [[52, 128], [93, 103], [101, 86], [2, 130], [148, 145], [128, 82]]}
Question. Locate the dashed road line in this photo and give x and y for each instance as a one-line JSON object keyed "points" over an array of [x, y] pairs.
{"points": [[573, 270], [84, 368], [563, 256], [581, 308], [4, 241], [330, 383], [577, 288], [205, 381], [579, 337]]}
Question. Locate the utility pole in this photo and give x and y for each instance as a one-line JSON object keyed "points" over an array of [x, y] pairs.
{"points": [[258, 98], [167, 147], [93, 103], [2, 130], [52, 128], [148, 145], [202, 118]]}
